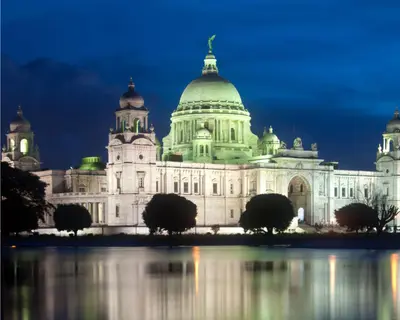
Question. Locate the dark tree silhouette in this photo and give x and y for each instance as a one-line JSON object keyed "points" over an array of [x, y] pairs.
{"points": [[356, 217], [267, 211], [72, 217], [169, 212], [23, 202]]}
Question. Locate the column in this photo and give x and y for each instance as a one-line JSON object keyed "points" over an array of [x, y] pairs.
{"points": [[95, 217], [147, 123], [229, 131]]}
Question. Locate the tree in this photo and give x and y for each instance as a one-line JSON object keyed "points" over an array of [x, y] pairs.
{"points": [[169, 212], [356, 217], [267, 211], [384, 212], [23, 202], [72, 217]]}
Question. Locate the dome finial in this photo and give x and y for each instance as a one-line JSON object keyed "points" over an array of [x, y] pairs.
{"points": [[210, 63], [270, 129], [131, 85], [19, 111]]}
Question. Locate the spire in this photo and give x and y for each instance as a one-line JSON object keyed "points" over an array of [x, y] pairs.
{"points": [[270, 129], [131, 85], [210, 63], [19, 111]]}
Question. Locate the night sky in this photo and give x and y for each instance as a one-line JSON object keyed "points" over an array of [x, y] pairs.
{"points": [[327, 71]]}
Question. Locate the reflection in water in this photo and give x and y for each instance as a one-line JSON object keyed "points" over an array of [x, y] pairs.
{"points": [[229, 283]]}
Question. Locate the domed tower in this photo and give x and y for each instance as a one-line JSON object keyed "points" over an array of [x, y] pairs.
{"points": [[20, 151], [132, 155], [269, 143], [388, 161], [212, 102]]}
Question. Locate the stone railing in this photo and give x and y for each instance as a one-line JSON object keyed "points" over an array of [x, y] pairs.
{"points": [[72, 194]]}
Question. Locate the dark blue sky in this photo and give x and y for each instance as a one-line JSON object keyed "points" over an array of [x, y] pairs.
{"points": [[326, 71]]}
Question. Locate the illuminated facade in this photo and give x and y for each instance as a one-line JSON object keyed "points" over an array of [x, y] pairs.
{"points": [[210, 156]]}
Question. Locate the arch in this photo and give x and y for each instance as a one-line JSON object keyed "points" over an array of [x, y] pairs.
{"points": [[201, 150], [23, 146], [299, 192], [206, 125], [115, 142], [207, 149], [233, 134]]}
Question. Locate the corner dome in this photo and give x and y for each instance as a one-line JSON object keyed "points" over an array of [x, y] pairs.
{"points": [[269, 136], [92, 164], [131, 98], [19, 123], [394, 124], [210, 89]]}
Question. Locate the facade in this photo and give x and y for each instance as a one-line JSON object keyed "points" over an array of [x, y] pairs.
{"points": [[210, 156]]}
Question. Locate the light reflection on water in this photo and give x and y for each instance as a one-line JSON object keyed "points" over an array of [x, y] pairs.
{"points": [[201, 283]]}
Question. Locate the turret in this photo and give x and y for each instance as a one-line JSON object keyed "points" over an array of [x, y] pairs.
{"points": [[20, 150]]}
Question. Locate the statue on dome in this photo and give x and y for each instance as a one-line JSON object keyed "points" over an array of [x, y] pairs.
{"points": [[283, 145], [380, 148], [210, 40]]}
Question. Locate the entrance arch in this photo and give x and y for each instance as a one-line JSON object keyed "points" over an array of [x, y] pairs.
{"points": [[299, 192]]}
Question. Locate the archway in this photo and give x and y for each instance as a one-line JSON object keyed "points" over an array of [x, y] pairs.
{"points": [[299, 192]]}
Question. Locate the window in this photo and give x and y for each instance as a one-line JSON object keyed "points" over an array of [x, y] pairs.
{"points": [[215, 188], [196, 187], [232, 214], [343, 192], [176, 187], [301, 188], [291, 189], [387, 191], [141, 182], [117, 211], [207, 150], [231, 188], [82, 189], [118, 183], [24, 146], [335, 192], [366, 192], [103, 189], [156, 186], [201, 150], [185, 187], [351, 193], [233, 136]]}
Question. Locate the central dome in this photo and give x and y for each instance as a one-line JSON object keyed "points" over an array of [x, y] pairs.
{"points": [[210, 89]]}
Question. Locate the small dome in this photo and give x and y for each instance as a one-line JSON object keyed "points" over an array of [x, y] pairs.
{"points": [[92, 164], [203, 134], [394, 124], [269, 136], [19, 123], [131, 98]]}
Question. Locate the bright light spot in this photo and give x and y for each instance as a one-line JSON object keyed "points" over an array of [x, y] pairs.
{"points": [[24, 146], [300, 214], [394, 265], [332, 273], [13, 246]]}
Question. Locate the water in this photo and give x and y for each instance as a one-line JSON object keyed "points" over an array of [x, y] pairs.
{"points": [[201, 283]]}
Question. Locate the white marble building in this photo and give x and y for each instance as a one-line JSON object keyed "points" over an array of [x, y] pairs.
{"points": [[210, 156]]}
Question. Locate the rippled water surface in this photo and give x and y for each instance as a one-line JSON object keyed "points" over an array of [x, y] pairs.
{"points": [[200, 283]]}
